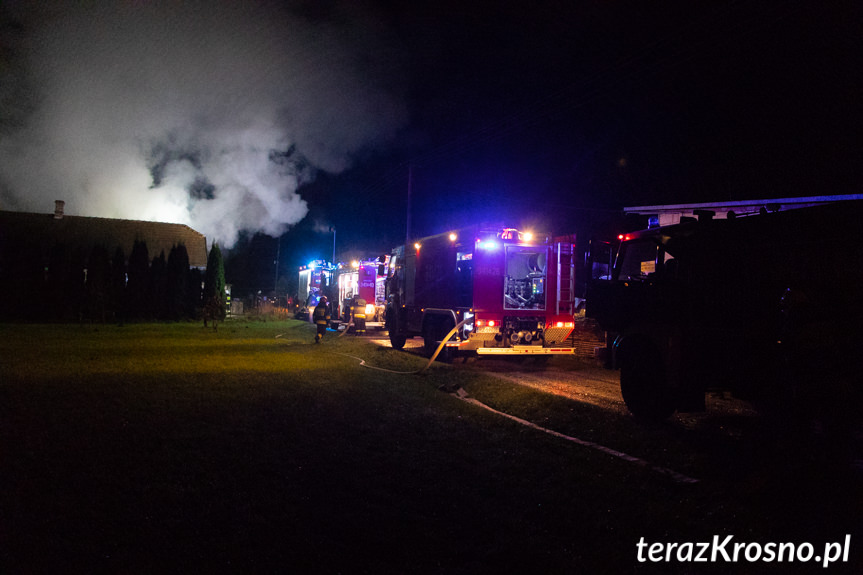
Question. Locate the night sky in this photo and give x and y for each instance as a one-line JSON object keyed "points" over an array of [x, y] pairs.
{"points": [[284, 120]]}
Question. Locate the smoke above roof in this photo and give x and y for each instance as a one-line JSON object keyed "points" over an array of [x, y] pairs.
{"points": [[212, 114]]}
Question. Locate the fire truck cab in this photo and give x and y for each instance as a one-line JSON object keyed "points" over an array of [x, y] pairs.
{"points": [[508, 292]]}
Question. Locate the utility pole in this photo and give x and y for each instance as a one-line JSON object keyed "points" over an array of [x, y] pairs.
{"points": [[333, 261], [408, 227], [278, 257]]}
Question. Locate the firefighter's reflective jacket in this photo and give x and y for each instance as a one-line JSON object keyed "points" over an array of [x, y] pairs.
{"points": [[358, 310], [321, 315]]}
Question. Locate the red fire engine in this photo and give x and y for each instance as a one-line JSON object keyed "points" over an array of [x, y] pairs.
{"points": [[366, 279], [315, 280], [510, 293]]}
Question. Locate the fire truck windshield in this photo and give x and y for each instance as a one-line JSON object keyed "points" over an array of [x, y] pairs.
{"points": [[524, 285], [638, 259]]}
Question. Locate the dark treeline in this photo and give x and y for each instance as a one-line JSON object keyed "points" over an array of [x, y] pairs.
{"points": [[102, 286]]}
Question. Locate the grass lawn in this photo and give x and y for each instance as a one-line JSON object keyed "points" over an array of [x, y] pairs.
{"points": [[159, 448]]}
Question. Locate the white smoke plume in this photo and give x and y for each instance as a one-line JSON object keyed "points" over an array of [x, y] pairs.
{"points": [[322, 227], [207, 113]]}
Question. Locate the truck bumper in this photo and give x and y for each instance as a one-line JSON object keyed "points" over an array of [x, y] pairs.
{"points": [[525, 350]]}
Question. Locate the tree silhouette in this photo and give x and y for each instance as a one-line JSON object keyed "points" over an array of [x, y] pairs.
{"points": [[97, 283], [178, 280], [117, 284], [158, 287], [214, 285], [136, 288]]}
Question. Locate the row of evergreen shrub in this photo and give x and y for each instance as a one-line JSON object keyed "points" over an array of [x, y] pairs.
{"points": [[69, 285]]}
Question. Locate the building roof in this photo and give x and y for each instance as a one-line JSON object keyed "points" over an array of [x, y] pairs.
{"points": [[85, 232], [671, 213]]}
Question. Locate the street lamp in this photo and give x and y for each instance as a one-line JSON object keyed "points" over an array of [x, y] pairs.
{"points": [[276, 262]]}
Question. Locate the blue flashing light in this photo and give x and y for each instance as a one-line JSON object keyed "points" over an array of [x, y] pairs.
{"points": [[311, 265]]}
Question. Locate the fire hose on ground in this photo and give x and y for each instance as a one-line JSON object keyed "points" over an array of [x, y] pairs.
{"points": [[440, 347], [462, 395]]}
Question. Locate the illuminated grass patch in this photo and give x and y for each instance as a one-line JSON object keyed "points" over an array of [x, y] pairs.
{"points": [[170, 448]]}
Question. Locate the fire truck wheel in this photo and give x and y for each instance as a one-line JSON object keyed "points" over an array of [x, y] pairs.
{"points": [[433, 333], [642, 382], [446, 355], [397, 341], [429, 340]]}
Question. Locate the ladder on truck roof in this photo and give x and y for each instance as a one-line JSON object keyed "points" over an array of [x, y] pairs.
{"points": [[565, 278]]}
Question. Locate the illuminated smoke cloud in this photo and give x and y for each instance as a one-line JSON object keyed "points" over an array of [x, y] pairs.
{"points": [[322, 227], [210, 114]]}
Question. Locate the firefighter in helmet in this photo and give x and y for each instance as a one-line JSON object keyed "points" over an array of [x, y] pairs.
{"points": [[321, 317], [358, 313]]}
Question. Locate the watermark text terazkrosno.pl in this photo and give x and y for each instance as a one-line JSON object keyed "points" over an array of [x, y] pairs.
{"points": [[727, 550]]}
